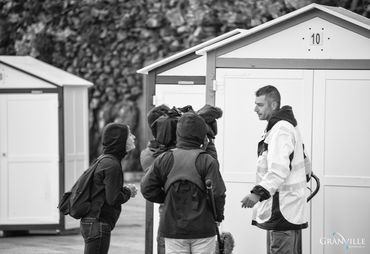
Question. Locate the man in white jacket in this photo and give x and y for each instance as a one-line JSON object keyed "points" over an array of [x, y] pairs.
{"points": [[278, 197]]}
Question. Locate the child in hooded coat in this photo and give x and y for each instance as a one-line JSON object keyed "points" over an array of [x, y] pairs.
{"points": [[107, 191]]}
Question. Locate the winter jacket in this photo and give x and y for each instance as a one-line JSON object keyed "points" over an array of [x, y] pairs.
{"points": [[107, 193], [281, 175], [193, 218]]}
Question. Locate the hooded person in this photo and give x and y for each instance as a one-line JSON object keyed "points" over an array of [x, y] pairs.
{"points": [[177, 179], [210, 114], [107, 191], [162, 122], [162, 129]]}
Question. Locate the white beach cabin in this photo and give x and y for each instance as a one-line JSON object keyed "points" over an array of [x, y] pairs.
{"points": [[319, 58], [43, 142]]}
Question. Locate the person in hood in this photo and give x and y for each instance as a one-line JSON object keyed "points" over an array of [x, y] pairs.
{"points": [[210, 114], [162, 122], [163, 128], [107, 190], [278, 198], [177, 179]]}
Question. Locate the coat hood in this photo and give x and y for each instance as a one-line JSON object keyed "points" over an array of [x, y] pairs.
{"points": [[154, 114], [166, 130], [114, 139], [210, 114], [284, 113], [191, 130]]}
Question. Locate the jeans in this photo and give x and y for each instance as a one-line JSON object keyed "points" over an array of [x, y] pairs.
{"points": [[284, 242], [191, 246], [96, 235]]}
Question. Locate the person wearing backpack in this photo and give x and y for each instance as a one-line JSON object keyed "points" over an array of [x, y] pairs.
{"points": [[163, 130], [177, 179], [107, 191], [162, 122]]}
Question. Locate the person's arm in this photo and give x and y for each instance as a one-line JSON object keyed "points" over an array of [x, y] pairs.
{"points": [[113, 181], [153, 181], [219, 188], [146, 159], [211, 148]]}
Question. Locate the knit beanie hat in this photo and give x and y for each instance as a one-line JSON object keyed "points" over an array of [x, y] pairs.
{"points": [[114, 139], [191, 128], [154, 114]]}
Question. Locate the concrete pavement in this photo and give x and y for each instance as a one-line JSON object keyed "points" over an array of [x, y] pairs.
{"points": [[128, 237]]}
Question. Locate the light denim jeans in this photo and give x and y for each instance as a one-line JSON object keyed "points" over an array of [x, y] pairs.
{"points": [[191, 246]]}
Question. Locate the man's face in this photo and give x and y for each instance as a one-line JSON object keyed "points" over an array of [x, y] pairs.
{"points": [[264, 108]]}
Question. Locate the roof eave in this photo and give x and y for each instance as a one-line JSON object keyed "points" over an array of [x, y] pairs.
{"points": [[191, 50]]}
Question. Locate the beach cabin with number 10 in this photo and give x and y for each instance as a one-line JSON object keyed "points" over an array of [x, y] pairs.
{"points": [[319, 58]]}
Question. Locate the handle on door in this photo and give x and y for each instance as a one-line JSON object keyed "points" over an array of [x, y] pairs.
{"points": [[4, 154]]}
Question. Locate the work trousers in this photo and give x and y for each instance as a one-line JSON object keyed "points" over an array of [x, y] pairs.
{"points": [[284, 242]]}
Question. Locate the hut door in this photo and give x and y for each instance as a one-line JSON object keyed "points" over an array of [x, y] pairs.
{"points": [[239, 132], [29, 157], [341, 151]]}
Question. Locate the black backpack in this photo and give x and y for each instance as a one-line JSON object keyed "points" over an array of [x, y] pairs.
{"points": [[77, 202]]}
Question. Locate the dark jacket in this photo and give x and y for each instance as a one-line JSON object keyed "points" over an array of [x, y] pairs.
{"points": [[107, 192], [165, 129], [199, 219]]}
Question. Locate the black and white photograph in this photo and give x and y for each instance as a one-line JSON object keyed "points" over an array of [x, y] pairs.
{"points": [[184, 126]]}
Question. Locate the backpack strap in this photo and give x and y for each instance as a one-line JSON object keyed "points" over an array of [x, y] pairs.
{"points": [[184, 168], [102, 156]]}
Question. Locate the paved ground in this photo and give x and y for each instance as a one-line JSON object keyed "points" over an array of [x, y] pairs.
{"points": [[128, 237]]}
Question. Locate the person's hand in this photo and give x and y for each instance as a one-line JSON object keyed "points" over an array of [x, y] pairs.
{"points": [[133, 189], [250, 200]]}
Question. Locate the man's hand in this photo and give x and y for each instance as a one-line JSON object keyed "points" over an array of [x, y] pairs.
{"points": [[133, 189], [250, 200]]}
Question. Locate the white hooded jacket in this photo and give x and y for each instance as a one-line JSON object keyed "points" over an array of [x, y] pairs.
{"points": [[281, 176]]}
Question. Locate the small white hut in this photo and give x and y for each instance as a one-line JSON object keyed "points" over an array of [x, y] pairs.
{"points": [[43, 142]]}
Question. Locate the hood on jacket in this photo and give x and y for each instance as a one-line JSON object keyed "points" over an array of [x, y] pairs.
{"points": [[284, 113], [154, 114], [191, 130], [210, 114], [166, 130], [114, 139]]}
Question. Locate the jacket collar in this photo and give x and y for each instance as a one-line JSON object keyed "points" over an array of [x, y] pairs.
{"points": [[284, 113]]}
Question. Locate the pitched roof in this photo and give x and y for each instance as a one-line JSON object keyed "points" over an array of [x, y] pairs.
{"points": [[338, 12], [43, 71], [191, 50]]}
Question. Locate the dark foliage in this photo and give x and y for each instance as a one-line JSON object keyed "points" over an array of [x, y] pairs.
{"points": [[106, 41]]}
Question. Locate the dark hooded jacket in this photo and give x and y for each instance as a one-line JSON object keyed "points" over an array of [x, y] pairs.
{"points": [[194, 219], [107, 192], [165, 139]]}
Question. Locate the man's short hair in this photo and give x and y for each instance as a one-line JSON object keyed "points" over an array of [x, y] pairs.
{"points": [[270, 92]]}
